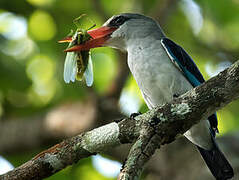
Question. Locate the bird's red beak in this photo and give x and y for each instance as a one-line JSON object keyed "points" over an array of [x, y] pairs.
{"points": [[66, 39], [99, 36]]}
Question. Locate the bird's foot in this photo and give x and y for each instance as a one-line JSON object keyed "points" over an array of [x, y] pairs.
{"points": [[133, 115], [118, 120]]}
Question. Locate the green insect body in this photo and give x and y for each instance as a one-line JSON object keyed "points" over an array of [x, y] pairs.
{"points": [[82, 36], [78, 65], [82, 56], [82, 62]]}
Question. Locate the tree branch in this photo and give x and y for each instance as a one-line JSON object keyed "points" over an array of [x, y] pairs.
{"points": [[139, 154], [163, 124]]}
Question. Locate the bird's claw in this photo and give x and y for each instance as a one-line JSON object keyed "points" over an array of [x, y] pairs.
{"points": [[133, 115]]}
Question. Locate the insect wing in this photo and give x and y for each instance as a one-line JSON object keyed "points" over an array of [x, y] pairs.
{"points": [[88, 74], [70, 67]]}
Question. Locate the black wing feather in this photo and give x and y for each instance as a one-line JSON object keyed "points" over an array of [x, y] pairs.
{"points": [[188, 67]]}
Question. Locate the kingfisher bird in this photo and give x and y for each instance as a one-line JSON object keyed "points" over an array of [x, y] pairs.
{"points": [[163, 70]]}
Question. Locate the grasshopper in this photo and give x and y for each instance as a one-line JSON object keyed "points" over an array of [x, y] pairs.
{"points": [[78, 64]]}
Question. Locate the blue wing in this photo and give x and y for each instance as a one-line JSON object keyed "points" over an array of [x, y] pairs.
{"points": [[187, 66]]}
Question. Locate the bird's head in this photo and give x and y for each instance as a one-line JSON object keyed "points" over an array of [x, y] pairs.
{"points": [[120, 31]]}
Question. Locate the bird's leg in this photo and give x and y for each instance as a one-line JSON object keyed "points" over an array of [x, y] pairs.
{"points": [[133, 115], [176, 95], [118, 120]]}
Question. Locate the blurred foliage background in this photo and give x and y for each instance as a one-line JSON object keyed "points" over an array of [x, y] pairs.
{"points": [[31, 60]]}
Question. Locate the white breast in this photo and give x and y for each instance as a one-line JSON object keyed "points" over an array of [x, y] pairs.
{"points": [[155, 74], [159, 80]]}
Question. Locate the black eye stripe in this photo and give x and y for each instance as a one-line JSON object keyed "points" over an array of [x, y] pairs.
{"points": [[117, 21]]}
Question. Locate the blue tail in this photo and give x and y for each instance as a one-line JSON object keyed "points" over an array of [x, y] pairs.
{"points": [[216, 162]]}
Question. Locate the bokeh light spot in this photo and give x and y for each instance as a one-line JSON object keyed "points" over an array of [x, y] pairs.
{"points": [[226, 121], [42, 26], [41, 71], [209, 31], [193, 12], [107, 167], [104, 68], [11, 26], [130, 98], [5, 165], [41, 2], [40, 68], [19, 49], [230, 32]]}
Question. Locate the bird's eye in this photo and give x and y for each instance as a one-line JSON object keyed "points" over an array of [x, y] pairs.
{"points": [[118, 21]]}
